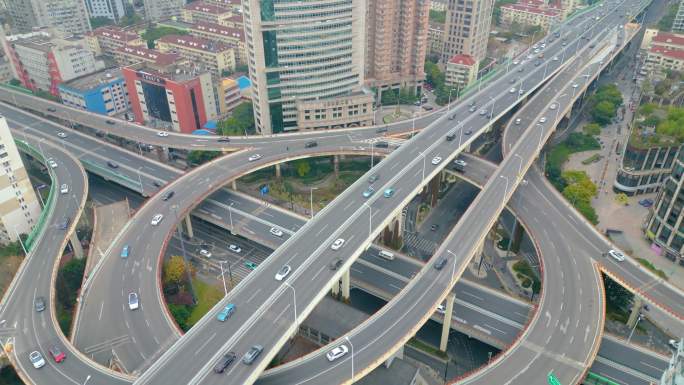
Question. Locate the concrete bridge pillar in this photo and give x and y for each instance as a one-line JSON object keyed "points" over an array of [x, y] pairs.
{"points": [[188, 227], [398, 354], [336, 288], [392, 234], [336, 166], [446, 325], [233, 185], [76, 245], [278, 172], [636, 309], [345, 286]]}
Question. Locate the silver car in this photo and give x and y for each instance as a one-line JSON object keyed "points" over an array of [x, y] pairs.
{"points": [[252, 354]]}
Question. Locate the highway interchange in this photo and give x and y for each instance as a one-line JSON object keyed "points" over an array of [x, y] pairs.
{"points": [[356, 193]]}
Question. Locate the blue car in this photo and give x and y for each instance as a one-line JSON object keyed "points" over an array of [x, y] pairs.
{"points": [[124, 252], [646, 202], [226, 312], [369, 191], [389, 192]]}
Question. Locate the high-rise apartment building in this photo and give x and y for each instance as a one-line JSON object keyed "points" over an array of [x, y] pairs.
{"points": [[41, 61], [301, 52], [19, 207], [396, 43], [467, 28], [156, 10], [678, 24], [233, 37], [68, 16], [111, 9], [665, 226]]}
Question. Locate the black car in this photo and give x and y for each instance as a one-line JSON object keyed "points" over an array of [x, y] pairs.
{"points": [[382, 129], [111, 122], [224, 362], [112, 164], [224, 139], [64, 223], [382, 145], [167, 196], [434, 227], [310, 144], [156, 184], [469, 131], [39, 304], [52, 109], [336, 264], [441, 262]]}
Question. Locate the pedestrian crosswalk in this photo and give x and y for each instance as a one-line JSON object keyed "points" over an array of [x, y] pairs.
{"points": [[413, 242]]}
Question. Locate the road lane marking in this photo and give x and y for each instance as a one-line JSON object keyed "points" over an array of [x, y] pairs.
{"points": [[205, 344]]}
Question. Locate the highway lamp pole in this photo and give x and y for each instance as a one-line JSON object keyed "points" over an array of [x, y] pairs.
{"points": [[541, 135], [40, 196], [294, 292], [142, 189], [506, 188], [352, 356], [521, 162], [185, 258], [634, 328], [311, 200], [546, 67], [491, 116], [370, 219], [230, 215], [372, 153], [424, 158], [23, 247], [413, 124], [223, 277], [87, 379]]}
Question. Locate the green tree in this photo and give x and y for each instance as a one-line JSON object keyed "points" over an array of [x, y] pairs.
{"points": [[15, 82], [68, 282], [201, 157], [100, 21], [154, 33], [592, 129], [240, 122], [579, 190], [437, 16], [603, 112], [303, 167], [180, 313], [617, 297], [174, 270]]}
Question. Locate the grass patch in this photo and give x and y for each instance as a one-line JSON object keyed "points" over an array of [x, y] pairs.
{"points": [[576, 142], [427, 348], [207, 296], [647, 264], [592, 159]]}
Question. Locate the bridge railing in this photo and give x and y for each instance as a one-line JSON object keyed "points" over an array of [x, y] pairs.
{"points": [[595, 379], [108, 174], [49, 203]]}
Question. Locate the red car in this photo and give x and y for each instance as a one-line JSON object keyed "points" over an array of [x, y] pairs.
{"points": [[57, 354]]}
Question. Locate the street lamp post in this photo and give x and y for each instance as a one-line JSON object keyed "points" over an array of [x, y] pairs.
{"points": [[521, 162], [506, 188], [372, 153], [541, 135], [413, 124], [352, 356], [223, 277], [23, 247], [491, 115], [142, 189], [294, 292], [634, 328], [230, 215], [87, 379], [185, 257], [424, 158], [311, 200]]}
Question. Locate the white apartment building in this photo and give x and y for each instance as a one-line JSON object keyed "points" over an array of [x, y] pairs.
{"points": [[300, 52], [466, 30], [19, 206], [68, 16], [111, 9], [156, 10]]}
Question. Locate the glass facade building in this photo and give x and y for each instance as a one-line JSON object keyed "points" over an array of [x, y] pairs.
{"points": [[301, 51], [644, 170]]}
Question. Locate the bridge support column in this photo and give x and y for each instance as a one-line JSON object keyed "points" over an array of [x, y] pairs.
{"points": [[278, 173], [634, 315], [446, 325], [76, 245], [188, 227], [391, 236], [345, 286], [233, 185], [398, 354], [336, 165], [336, 288]]}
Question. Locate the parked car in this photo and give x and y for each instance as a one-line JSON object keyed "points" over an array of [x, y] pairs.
{"points": [[224, 362], [646, 202], [337, 353], [283, 272], [226, 312], [252, 354], [251, 265]]}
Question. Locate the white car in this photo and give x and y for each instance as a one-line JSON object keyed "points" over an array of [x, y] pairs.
{"points": [[553, 106], [254, 157], [555, 58], [51, 162], [337, 353], [517, 121], [157, 219], [37, 359], [283, 272], [163, 134], [276, 231], [63, 189], [62, 135], [436, 160], [133, 302], [575, 85], [205, 253], [234, 248], [542, 119], [616, 255], [512, 90], [337, 244], [441, 309], [460, 162], [516, 62]]}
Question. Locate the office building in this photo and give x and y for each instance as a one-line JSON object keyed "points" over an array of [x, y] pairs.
{"points": [[678, 23], [178, 98], [665, 225], [41, 60], [214, 56], [19, 206], [103, 92], [396, 43], [467, 28], [201, 12], [531, 13], [156, 10], [69, 16], [140, 54], [108, 39], [111, 9], [461, 71], [233, 37], [299, 54]]}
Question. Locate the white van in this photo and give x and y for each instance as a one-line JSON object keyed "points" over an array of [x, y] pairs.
{"points": [[386, 254]]}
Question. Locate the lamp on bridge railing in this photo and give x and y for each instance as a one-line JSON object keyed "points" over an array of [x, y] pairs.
{"points": [[521, 163], [491, 114], [541, 136], [311, 213], [352, 356]]}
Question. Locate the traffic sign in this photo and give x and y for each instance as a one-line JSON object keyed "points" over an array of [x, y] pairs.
{"points": [[551, 378]]}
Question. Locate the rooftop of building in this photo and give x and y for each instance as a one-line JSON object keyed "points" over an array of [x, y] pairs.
{"points": [[92, 81], [671, 38], [46, 42], [178, 73], [674, 54], [219, 29], [462, 59], [201, 6], [114, 32], [159, 58], [436, 25], [175, 23], [551, 12], [195, 43]]}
